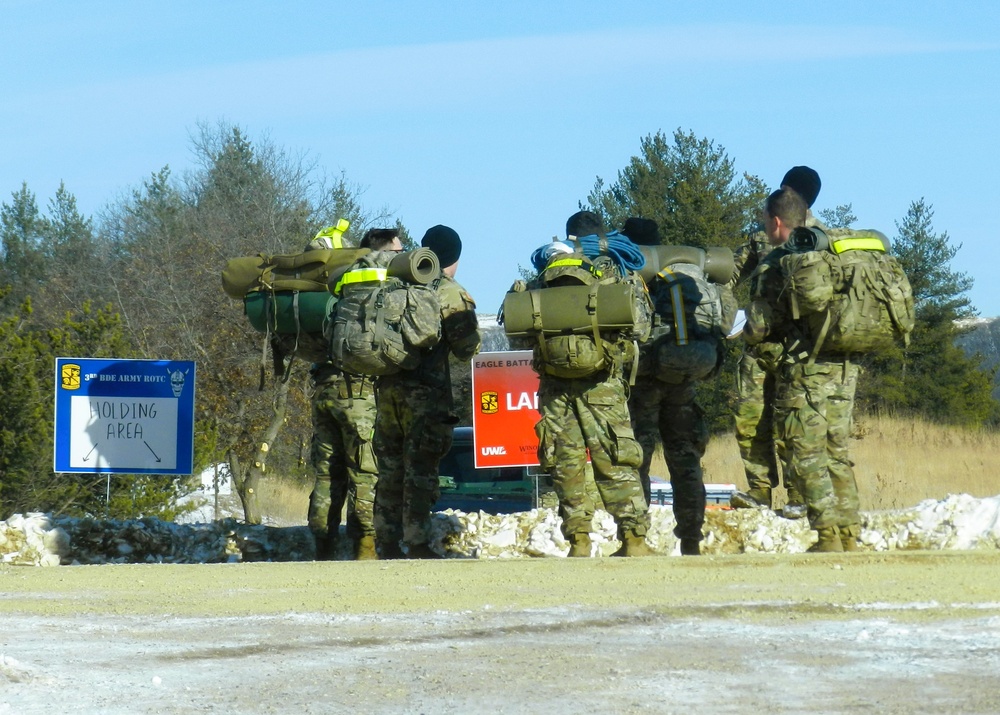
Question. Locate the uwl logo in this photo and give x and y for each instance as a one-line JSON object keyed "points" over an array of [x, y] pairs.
{"points": [[492, 451]]}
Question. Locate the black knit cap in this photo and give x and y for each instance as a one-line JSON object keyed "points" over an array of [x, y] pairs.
{"points": [[445, 243], [803, 181], [584, 223], [642, 231]]}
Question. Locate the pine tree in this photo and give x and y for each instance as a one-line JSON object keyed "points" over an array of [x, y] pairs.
{"points": [[689, 186], [22, 267], [840, 217]]}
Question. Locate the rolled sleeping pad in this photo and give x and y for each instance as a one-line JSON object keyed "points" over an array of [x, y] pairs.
{"points": [[564, 309], [419, 266], [288, 312], [716, 261]]}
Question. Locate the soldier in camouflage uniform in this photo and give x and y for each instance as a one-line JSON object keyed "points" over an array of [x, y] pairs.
{"points": [[814, 399], [756, 432], [667, 413], [591, 413], [343, 460], [416, 415], [342, 456]]}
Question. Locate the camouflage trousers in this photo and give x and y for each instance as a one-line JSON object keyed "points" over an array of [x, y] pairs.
{"points": [[343, 457], [584, 414], [668, 415], [815, 405], [413, 432], [755, 428]]}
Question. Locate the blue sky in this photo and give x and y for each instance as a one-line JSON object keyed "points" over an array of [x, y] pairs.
{"points": [[496, 118]]}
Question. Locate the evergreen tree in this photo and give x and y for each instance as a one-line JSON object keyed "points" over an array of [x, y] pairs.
{"points": [[840, 217], [22, 267], [689, 186]]}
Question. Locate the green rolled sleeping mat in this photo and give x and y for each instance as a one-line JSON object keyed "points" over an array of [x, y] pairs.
{"points": [[288, 312], [569, 309]]}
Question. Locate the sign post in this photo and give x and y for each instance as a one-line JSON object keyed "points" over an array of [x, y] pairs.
{"points": [[124, 416]]}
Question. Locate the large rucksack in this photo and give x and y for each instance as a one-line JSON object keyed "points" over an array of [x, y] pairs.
{"points": [[690, 323], [846, 291], [286, 297], [387, 312], [582, 317]]}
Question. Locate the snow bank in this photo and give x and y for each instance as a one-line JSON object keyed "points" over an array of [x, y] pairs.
{"points": [[958, 522]]}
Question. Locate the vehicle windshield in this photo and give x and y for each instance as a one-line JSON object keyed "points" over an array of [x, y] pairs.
{"points": [[459, 465]]}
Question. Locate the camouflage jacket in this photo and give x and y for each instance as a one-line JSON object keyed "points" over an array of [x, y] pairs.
{"points": [[767, 318]]}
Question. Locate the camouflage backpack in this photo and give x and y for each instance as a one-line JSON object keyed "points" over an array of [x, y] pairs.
{"points": [[387, 312], [581, 316], [846, 291], [689, 325]]}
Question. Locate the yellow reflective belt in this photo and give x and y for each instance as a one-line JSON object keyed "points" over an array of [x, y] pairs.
{"points": [[572, 262], [361, 275], [857, 243]]}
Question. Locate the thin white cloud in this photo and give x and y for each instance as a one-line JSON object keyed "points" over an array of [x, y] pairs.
{"points": [[463, 73]]}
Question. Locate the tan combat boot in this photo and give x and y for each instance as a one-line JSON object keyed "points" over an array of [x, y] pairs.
{"points": [[579, 546], [366, 548], [849, 537], [828, 541], [635, 545], [751, 499]]}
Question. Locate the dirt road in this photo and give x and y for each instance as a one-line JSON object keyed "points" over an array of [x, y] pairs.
{"points": [[872, 632]]}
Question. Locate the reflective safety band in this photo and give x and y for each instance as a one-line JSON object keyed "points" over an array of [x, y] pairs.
{"points": [[335, 233], [361, 275], [857, 243], [559, 262]]}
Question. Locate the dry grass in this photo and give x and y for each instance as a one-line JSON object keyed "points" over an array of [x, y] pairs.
{"points": [[286, 502], [898, 463]]}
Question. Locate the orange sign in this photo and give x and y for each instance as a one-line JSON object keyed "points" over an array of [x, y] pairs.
{"points": [[505, 391]]}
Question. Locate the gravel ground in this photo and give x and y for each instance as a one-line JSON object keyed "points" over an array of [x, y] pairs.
{"points": [[897, 632]]}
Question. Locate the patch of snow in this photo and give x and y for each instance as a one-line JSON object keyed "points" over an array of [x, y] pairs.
{"points": [[958, 522]]}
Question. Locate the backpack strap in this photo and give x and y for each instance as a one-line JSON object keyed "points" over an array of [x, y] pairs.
{"points": [[594, 325], [635, 363], [681, 333], [536, 323], [378, 333]]}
